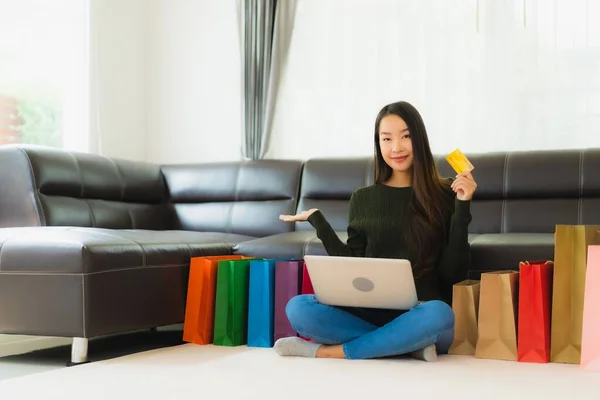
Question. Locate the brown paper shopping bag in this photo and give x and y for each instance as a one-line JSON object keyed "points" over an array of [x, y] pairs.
{"points": [[570, 264], [497, 326], [465, 304]]}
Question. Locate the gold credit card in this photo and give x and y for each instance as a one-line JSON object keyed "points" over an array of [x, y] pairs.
{"points": [[459, 162]]}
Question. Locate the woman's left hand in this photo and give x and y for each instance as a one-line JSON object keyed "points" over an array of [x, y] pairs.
{"points": [[464, 186]]}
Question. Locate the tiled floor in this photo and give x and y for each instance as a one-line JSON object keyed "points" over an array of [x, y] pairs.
{"points": [[99, 349]]}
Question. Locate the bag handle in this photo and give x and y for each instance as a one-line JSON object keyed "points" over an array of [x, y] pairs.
{"points": [[540, 262]]}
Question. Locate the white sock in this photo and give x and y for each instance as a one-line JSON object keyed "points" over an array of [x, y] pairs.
{"points": [[428, 353], [294, 346]]}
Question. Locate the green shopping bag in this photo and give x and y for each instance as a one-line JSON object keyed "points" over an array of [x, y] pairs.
{"points": [[231, 303]]}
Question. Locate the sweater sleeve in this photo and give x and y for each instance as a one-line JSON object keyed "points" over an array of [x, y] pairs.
{"points": [[356, 243], [456, 257]]}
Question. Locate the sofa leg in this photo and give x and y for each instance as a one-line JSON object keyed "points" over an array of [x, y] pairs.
{"points": [[79, 351]]}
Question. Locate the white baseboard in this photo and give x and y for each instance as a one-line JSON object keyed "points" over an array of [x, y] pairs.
{"points": [[11, 345]]}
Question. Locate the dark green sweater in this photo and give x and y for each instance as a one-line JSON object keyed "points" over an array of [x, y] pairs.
{"points": [[375, 230]]}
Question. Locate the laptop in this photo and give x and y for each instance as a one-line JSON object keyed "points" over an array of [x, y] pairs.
{"points": [[362, 282]]}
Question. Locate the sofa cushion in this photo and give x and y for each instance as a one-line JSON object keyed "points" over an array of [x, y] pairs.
{"points": [[293, 244], [489, 252], [492, 252], [284, 245], [70, 250], [244, 197], [86, 282], [327, 184], [533, 191]]}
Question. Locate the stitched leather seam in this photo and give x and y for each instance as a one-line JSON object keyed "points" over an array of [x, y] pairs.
{"points": [[92, 216], [235, 196], [143, 251], [80, 174], [298, 195], [122, 238], [25, 273], [1, 246], [131, 218], [504, 194], [190, 250], [306, 243], [120, 178], [36, 190]]}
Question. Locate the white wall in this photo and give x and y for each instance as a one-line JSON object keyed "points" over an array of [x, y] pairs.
{"points": [[118, 78], [511, 75], [193, 81], [486, 75], [118, 102]]}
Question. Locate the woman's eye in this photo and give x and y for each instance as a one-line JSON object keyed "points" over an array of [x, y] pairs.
{"points": [[406, 136]]}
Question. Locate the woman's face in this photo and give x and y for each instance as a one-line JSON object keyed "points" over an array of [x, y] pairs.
{"points": [[395, 143]]}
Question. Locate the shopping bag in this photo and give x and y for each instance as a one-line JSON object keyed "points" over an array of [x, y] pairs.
{"points": [[590, 343], [570, 264], [261, 294], [288, 283], [307, 287], [200, 302], [465, 304], [535, 307], [497, 319], [231, 303]]}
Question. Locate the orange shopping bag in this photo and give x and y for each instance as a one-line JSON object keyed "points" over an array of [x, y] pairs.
{"points": [[590, 345], [200, 304]]}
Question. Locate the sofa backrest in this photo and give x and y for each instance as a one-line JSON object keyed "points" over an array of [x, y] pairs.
{"points": [[533, 191], [244, 197], [517, 191], [528, 192], [327, 184], [50, 187]]}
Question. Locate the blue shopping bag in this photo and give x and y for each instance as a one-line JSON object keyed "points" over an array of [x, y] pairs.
{"points": [[261, 293]]}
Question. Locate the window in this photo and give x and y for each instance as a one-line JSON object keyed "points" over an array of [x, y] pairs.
{"points": [[44, 72]]}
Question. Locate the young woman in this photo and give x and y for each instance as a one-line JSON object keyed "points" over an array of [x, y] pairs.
{"points": [[410, 213]]}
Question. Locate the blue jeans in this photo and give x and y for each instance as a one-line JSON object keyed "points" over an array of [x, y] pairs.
{"points": [[425, 324]]}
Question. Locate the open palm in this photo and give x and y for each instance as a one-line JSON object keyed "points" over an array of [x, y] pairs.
{"points": [[300, 217]]}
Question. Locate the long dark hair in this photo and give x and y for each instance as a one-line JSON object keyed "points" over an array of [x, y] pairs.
{"points": [[425, 227]]}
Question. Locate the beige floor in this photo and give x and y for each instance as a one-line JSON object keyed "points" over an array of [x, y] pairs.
{"points": [[208, 372]]}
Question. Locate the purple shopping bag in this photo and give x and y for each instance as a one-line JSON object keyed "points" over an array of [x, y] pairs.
{"points": [[288, 284]]}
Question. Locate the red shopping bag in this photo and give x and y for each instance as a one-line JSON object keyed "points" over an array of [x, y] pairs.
{"points": [[307, 287], [535, 311]]}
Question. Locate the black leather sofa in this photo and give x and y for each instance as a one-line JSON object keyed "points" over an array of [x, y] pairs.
{"points": [[91, 246]]}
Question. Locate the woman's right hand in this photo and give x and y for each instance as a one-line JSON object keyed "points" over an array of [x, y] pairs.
{"points": [[301, 217]]}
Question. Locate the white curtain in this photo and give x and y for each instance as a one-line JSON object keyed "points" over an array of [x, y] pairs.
{"points": [[486, 75]]}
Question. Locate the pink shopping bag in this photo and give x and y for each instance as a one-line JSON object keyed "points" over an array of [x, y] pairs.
{"points": [[590, 345]]}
